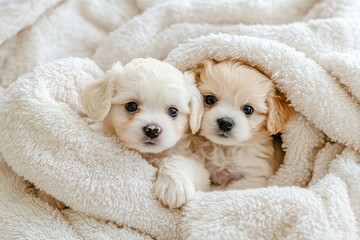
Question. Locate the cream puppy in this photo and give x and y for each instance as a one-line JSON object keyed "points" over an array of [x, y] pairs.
{"points": [[146, 104], [241, 111]]}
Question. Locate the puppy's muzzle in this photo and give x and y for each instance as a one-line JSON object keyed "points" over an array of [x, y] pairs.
{"points": [[152, 130], [226, 124]]}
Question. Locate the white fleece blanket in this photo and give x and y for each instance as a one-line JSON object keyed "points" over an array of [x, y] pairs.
{"points": [[310, 49]]}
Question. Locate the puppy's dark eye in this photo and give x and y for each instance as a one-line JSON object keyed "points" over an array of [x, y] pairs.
{"points": [[173, 112], [131, 106], [210, 99], [248, 110]]}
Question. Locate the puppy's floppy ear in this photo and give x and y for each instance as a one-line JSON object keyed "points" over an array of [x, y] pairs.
{"points": [[279, 112], [200, 68], [96, 97], [196, 103]]}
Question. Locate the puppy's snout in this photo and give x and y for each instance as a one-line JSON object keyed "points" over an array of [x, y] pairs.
{"points": [[226, 124], [152, 130]]}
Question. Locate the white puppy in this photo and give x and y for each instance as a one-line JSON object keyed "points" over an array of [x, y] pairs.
{"points": [[146, 104], [241, 111]]}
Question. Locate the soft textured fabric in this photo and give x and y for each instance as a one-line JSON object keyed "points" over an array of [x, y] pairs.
{"points": [[310, 49], [71, 28]]}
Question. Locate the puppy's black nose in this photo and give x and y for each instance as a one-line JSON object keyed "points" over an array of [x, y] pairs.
{"points": [[226, 124], [152, 130]]}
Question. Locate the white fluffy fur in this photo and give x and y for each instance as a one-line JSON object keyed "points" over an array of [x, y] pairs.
{"points": [[155, 87]]}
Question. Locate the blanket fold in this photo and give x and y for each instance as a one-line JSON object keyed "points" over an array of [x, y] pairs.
{"points": [[30, 215], [18, 14], [310, 49]]}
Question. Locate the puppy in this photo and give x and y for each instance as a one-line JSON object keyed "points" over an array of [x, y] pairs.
{"points": [[146, 104], [241, 111]]}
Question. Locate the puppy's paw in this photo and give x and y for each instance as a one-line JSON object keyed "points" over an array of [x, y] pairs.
{"points": [[173, 191]]}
